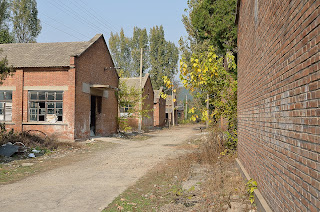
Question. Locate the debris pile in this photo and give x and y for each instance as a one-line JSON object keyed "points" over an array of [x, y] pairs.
{"points": [[18, 148]]}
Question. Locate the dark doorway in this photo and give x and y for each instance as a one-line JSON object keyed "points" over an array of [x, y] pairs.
{"points": [[93, 116]]}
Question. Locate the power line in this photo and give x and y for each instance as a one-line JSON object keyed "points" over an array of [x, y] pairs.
{"points": [[60, 30], [86, 36], [103, 22], [76, 15], [115, 27]]}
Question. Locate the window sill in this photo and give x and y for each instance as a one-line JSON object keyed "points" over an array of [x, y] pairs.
{"points": [[44, 123], [7, 123]]}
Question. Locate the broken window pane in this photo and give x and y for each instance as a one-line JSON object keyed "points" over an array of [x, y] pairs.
{"points": [[50, 111], [41, 117], [45, 104], [42, 105], [50, 105]]}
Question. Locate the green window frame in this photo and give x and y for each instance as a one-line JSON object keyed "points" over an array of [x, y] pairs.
{"points": [[45, 105]]}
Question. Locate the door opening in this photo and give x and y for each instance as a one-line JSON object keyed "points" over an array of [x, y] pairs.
{"points": [[93, 116]]}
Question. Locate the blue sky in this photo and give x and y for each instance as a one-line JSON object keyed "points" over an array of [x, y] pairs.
{"points": [[80, 20]]}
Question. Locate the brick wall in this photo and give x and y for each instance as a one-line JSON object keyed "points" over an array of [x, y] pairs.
{"points": [[159, 112], [279, 99], [148, 94], [29, 77], [90, 69]]}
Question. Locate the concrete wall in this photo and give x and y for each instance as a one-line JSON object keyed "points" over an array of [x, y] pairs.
{"points": [[90, 69], [279, 99]]}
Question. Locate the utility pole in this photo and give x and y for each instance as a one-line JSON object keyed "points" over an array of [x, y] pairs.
{"points": [[172, 105], [140, 102], [186, 109], [207, 120]]}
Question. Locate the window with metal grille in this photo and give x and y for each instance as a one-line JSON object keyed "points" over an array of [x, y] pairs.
{"points": [[46, 106], [5, 105]]}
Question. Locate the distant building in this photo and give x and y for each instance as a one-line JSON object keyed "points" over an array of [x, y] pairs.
{"points": [[169, 109], [180, 112], [279, 100], [61, 89], [148, 99], [159, 109]]}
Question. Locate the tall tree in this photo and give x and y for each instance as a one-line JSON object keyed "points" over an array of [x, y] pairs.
{"points": [[139, 40], [213, 21], [26, 25], [121, 53], [164, 57], [5, 35]]}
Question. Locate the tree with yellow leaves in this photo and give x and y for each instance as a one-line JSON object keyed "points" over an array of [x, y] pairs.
{"points": [[206, 73]]}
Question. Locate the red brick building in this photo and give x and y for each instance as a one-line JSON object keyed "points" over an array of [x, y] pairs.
{"points": [[159, 108], [147, 105], [61, 89], [279, 99]]}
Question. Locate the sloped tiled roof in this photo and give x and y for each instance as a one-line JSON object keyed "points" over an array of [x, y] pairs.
{"points": [[27, 55], [157, 94], [135, 81]]}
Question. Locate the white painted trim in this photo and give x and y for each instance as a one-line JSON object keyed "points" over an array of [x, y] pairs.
{"points": [[7, 88], [45, 88]]}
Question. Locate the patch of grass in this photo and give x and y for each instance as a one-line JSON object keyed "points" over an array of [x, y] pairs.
{"points": [[157, 188]]}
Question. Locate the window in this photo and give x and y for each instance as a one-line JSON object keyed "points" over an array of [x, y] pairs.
{"points": [[126, 108], [5, 105], [46, 106]]}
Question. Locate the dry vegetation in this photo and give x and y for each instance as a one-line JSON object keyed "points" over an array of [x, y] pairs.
{"points": [[203, 180]]}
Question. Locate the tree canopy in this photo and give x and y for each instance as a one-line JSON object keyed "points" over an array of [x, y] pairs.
{"points": [[160, 57], [26, 25], [212, 21]]}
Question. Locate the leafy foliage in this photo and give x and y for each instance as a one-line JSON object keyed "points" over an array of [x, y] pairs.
{"points": [[26, 25], [130, 96], [5, 35], [207, 75], [139, 40], [121, 53], [251, 186], [164, 56], [5, 70], [160, 57], [212, 21]]}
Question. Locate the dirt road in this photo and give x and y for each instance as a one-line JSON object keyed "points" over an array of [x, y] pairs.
{"points": [[91, 184]]}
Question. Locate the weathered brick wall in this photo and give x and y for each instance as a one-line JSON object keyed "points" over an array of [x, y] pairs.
{"points": [[90, 69], [147, 122], [159, 112], [279, 99], [29, 77]]}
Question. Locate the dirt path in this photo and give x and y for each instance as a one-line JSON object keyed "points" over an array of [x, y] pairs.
{"points": [[91, 184]]}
